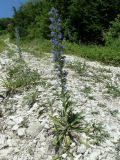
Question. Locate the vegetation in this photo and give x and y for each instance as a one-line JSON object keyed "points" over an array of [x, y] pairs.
{"points": [[19, 76], [33, 27], [2, 45], [109, 55], [4, 24], [86, 26], [82, 21]]}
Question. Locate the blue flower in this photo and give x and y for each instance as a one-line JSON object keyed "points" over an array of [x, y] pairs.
{"points": [[60, 35], [51, 19], [52, 33], [52, 26], [57, 47]]}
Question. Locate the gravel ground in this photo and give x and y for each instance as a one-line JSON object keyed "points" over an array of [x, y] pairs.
{"points": [[94, 89]]}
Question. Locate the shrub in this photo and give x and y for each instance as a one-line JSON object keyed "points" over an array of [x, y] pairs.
{"points": [[114, 31], [19, 76]]}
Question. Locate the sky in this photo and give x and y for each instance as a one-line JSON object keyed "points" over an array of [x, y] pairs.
{"points": [[6, 7]]}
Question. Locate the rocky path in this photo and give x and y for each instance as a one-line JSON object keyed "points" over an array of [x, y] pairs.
{"points": [[94, 89]]}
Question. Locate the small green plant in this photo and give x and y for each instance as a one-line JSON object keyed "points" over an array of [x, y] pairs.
{"points": [[86, 90], [65, 126], [2, 45], [10, 53], [102, 105], [117, 148], [114, 112], [19, 76], [1, 113], [78, 67], [30, 98], [98, 133], [113, 90], [18, 42]]}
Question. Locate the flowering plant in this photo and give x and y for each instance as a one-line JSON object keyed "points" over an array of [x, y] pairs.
{"points": [[67, 122], [57, 48], [18, 41]]}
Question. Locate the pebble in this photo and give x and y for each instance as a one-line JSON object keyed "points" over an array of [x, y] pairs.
{"points": [[81, 149], [21, 132], [34, 129]]}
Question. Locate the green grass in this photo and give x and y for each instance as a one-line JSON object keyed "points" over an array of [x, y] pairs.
{"points": [[109, 55], [2, 45], [19, 76], [113, 90], [78, 67], [105, 54], [36, 47]]}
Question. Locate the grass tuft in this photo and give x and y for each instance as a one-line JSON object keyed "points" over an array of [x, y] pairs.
{"points": [[2, 45], [19, 76]]}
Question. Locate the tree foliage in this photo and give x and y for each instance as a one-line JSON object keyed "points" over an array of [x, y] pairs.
{"points": [[83, 20], [4, 24]]}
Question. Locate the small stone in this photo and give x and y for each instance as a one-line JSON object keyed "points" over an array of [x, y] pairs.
{"points": [[16, 120], [3, 141], [83, 137], [15, 127], [21, 132], [81, 149], [73, 144], [64, 155], [94, 155], [34, 129]]}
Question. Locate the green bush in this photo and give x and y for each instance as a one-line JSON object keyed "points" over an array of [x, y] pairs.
{"points": [[114, 32], [19, 76], [2, 45], [82, 21]]}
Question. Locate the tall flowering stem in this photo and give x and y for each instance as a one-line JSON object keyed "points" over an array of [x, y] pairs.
{"points": [[57, 49], [67, 123], [18, 41]]}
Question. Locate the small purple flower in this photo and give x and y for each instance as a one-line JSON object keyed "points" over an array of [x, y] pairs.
{"points": [[62, 47], [52, 33], [57, 47], [54, 57], [51, 19], [52, 26], [60, 35]]}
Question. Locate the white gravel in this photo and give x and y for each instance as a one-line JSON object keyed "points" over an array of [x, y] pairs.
{"points": [[24, 131]]}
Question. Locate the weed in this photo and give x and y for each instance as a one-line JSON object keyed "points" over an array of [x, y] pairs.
{"points": [[78, 67], [102, 105], [113, 90], [117, 150], [95, 112], [10, 53], [18, 42], [97, 133], [104, 70], [1, 113], [114, 112], [97, 79], [31, 98], [2, 45], [86, 90], [65, 126], [19, 76]]}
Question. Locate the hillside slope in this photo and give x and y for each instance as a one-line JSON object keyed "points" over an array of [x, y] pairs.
{"points": [[25, 124]]}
